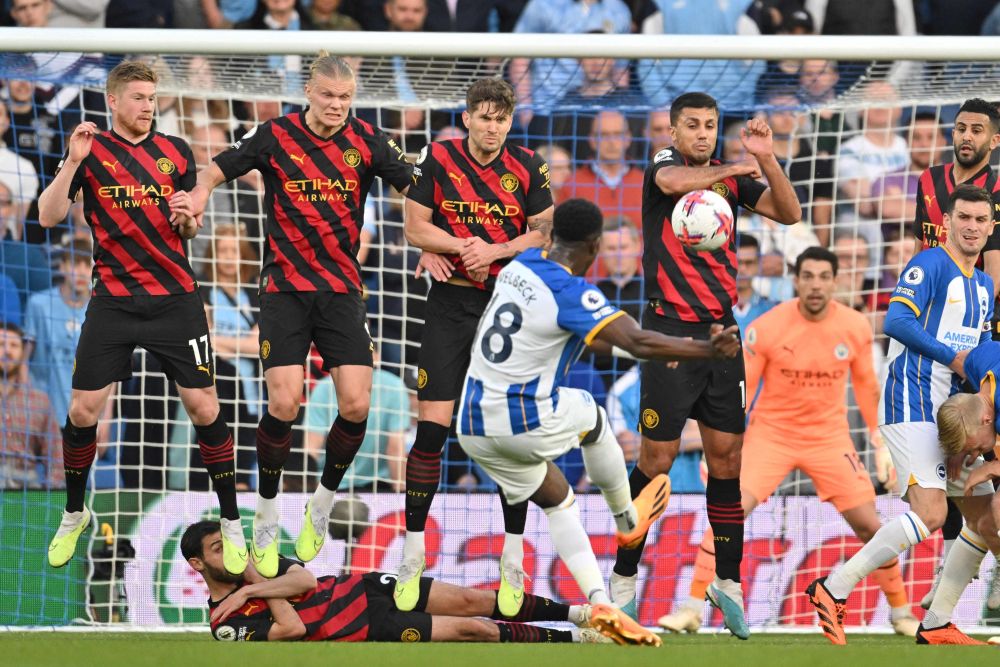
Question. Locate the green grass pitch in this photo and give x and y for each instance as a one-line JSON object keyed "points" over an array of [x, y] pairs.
{"points": [[191, 650]]}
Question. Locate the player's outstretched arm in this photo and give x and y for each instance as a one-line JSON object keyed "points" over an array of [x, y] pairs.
{"points": [[422, 233], [901, 323], [676, 181], [209, 178], [625, 334], [54, 202]]}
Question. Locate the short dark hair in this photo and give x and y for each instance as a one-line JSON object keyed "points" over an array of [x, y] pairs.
{"points": [[617, 223], [988, 109], [924, 115], [818, 254], [968, 192], [577, 221], [747, 241], [492, 90], [691, 101], [192, 541], [13, 328]]}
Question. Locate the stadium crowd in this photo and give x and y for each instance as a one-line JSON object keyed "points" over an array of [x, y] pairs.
{"points": [[856, 175]]}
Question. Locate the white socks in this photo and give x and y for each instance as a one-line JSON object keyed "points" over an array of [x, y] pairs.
{"points": [[513, 549], [891, 540], [267, 509], [322, 499], [573, 546], [605, 464], [413, 545], [960, 566]]}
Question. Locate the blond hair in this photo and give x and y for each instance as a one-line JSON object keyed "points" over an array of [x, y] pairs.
{"points": [[957, 418], [335, 67], [127, 71]]}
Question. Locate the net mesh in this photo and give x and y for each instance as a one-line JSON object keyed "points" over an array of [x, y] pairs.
{"points": [[852, 151]]}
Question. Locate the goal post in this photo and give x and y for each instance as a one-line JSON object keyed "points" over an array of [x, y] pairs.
{"points": [[215, 86]]}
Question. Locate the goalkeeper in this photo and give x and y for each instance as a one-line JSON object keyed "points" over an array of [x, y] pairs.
{"points": [[295, 605]]}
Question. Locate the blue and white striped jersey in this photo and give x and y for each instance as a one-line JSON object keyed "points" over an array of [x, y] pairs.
{"points": [[936, 311], [536, 325]]}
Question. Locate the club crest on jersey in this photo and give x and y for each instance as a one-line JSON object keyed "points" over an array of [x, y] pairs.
{"points": [[662, 155], [352, 157], [751, 336], [841, 352], [225, 633], [720, 189], [592, 299], [509, 182], [265, 349], [941, 472], [166, 166], [421, 378], [423, 155], [650, 419], [914, 276], [410, 635]]}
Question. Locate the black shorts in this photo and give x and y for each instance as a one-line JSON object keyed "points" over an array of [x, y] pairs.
{"points": [[712, 391], [172, 328], [451, 318], [388, 624], [337, 323]]}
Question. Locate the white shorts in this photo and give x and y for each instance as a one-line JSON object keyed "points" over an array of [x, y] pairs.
{"points": [[519, 463], [918, 458]]}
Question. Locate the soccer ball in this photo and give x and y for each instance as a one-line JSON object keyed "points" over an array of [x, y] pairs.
{"points": [[348, 518], [702, 220]]}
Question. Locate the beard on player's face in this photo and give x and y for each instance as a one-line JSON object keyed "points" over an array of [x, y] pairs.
{"points": [[973, 157], [220, 575]]}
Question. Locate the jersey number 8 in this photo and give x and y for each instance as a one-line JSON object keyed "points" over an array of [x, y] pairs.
{"points": [[504, 331]]}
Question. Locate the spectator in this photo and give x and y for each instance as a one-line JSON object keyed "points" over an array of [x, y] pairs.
{"points": [[31, 13], [878, 150], [221, 14], [621, 248], [541, 82], [34, 132], [600, 88], [235, 203], [785, 73], [898, 250], [863, 17], [731, 82], [854, 288], [52, 326], [810, 174], [407, 16], [991, 25], [472, 15], [658, 132], [139, 14], [895, 192], [609, 180], [18, 175], [278, 15], [325, 15], [818, 87], [560, 169], [30, 444], [378, 465], [750, 304]]}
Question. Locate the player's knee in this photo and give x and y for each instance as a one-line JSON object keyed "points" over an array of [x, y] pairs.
{"points": [[283, 406], [724, 464], [203, 411], [656, 460], [354, 408], [80, 414]]}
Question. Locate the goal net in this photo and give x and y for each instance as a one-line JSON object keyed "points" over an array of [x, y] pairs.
{"points": [[852, 135]]}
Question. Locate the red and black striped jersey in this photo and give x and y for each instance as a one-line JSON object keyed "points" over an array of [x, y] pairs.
{"points": [[933, 189], [336, 610], [125, 190], [492, 201], [314, 194], [690, 285]]}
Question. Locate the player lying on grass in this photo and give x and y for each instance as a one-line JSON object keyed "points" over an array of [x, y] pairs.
{"points": [[295, 605]]}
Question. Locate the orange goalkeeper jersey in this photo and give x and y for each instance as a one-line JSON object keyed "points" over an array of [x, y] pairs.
{"points": [[803, 367]]}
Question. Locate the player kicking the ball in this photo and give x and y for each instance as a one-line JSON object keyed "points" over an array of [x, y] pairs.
{"points": [[515, 418]]}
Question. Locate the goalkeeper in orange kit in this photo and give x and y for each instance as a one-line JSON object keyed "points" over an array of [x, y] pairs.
{"points": [[803, 351]]}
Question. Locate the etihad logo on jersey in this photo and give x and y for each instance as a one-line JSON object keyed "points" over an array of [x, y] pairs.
{"points": [[812, 377], [320, 189], [135, 196], [479, 212]]}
